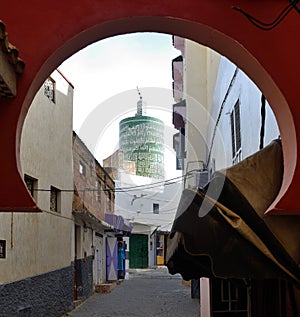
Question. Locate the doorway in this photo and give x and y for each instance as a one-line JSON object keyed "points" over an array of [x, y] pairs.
{"points": [[138, 251]]}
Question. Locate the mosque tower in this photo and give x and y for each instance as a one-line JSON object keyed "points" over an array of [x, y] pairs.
{"points": [[141, 139]]}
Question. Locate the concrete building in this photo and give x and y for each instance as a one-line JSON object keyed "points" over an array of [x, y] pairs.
{"points": [[236, 114], [116, 163], [36, 269], [150, 207], [93, 198], [193, 94], [67, 240], [225, 119], [203, 110], [149, 204]]}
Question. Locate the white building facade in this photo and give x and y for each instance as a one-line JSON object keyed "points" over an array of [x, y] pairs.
{"points": [[149, 204], [223, 116], [236, 114], [142, 197]]}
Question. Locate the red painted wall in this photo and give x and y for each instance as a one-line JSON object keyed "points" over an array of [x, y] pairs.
{"points": [[46, 34]]}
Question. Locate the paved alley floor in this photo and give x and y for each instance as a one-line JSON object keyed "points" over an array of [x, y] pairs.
{"points": [[146, 293]]}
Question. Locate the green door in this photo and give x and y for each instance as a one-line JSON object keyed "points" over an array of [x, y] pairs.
{"points": [[138, 251]]}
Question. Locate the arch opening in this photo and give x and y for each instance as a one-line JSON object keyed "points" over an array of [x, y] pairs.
{"points": [[201, 34], [203, 22]]}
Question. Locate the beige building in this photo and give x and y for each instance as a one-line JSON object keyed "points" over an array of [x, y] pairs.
{"points": [[193, 94], [39, 247], [194, 74], [115, 162]]}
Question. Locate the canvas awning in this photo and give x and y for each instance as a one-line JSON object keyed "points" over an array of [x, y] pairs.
{"points": [[223, 231], [119, 224], [90, 220]]}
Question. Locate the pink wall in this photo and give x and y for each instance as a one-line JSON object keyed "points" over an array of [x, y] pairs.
{"points": [[204, 297]]}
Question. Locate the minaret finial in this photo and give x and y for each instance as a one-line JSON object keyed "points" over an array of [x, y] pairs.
{"points": [[139, 93], [139, 103]]}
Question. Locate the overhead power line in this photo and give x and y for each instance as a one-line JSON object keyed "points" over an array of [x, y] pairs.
{"points": [[267, 26], [168, 182]]}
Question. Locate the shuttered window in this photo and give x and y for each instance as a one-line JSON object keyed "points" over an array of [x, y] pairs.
{"points": [[235, 120]]}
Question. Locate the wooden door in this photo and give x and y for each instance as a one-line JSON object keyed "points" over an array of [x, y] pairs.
{"points": [[138, 251]]}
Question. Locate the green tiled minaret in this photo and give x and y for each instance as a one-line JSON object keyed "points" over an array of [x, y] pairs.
{"points": [[142, 141]]}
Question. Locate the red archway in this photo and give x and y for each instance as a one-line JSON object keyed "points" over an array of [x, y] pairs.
{"points": [[48, 33]]}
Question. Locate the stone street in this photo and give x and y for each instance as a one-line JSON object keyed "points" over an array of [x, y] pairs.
{"points": [[146, 293]]}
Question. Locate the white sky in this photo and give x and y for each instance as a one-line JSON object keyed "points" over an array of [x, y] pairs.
{"points": [[105, 76]]}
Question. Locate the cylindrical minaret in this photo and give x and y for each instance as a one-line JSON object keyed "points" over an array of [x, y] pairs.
{"points": [[142, 141]]}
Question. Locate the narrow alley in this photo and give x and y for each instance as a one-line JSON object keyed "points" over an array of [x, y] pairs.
{"points": [[146, 293]]}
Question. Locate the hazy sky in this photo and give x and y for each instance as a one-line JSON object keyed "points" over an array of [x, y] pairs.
{"points": [[105, 76]]}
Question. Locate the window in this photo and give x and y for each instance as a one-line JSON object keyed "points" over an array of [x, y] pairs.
{"points": [[82, 169], [108, 208], [99, 192], [49, 89], [31, 184], [156, 208], [229, 297], [236, 133], [179, 147], [54, 199], [2, 249]]}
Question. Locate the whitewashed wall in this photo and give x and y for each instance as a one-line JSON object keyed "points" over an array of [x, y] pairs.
{"points": [[137, 205], [250, 108], [38, 243]]}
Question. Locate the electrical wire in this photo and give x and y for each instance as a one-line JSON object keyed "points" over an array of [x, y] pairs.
{"points": [[263, 121], [163, 200], [150, 212], [294, 4], [220, 113], [150, 219], [156, 183], [271, 25], [168, 182]]}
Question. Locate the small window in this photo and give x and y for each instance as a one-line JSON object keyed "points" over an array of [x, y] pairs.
{"points": [[235, 122], [99, 192], [54, 199], [49, 89], [109, 202], [82, 169], [31, 184], [156, 208]]}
